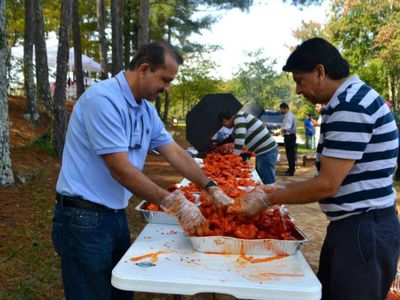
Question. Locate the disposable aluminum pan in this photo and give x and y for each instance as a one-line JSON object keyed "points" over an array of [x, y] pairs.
{"points": [[156, 217], [230, 245]]}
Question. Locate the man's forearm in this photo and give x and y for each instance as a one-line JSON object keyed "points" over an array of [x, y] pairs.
{"points": [[184, 164], [189, 169], [311, 190], [133, 179]]}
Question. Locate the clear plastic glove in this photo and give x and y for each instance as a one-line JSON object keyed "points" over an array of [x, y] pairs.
{"points": [[252, 203], [218, 197], [274, 187], [187, 213]]}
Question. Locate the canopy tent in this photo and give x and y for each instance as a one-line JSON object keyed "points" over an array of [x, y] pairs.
{"points": [[88, 64]]}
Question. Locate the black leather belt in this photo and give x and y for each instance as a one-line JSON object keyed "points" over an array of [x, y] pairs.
{"points": [[70, 201]]}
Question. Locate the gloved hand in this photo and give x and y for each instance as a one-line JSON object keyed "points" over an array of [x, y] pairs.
{"points": [[272, 188], [218, 197], [252, 203], [187, 213]]}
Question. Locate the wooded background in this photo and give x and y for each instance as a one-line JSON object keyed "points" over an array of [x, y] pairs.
{"points": [[110, 31]]}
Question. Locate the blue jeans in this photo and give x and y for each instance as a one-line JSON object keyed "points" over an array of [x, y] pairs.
{"points": [[265, 165], [90, 243], [359, 256]]}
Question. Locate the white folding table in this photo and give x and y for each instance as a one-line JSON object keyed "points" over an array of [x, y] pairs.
{"points": [[165, 262]]}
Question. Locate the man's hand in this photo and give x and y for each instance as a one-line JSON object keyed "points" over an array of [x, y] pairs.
{"points": [[273, 187], [218, 197], [252, 203], [187, 213]]}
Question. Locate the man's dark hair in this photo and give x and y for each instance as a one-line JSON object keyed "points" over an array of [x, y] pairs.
{"points": [[154, 54], [284, 105], [317, 51], [225, 115]]}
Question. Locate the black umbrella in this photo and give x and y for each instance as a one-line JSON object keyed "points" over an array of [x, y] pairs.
{"points": [[202, 121]]}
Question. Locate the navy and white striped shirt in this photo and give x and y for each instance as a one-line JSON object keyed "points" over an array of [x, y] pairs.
{"points": [[358, 125]]}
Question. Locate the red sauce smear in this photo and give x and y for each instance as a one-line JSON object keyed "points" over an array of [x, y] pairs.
{"points": [[153, 256], [260, 260]]}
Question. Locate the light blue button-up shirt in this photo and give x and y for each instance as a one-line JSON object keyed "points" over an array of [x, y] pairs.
{"points": [[289, 123], [107, 119]]}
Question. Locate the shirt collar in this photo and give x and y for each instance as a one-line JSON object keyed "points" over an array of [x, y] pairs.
{"points": [[349, 81], [126, 90]]}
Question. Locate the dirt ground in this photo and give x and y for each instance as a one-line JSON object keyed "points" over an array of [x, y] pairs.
{"points": [[29, 264]]}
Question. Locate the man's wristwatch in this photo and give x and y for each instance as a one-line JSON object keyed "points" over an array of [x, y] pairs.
{"points": [[210, 184]]}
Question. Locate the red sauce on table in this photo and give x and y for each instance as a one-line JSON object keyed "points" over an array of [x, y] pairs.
{"points": [[153, 256]]}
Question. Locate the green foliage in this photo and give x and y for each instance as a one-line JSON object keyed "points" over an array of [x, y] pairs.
{"points": [[304, 2], [257, 81], [368, 34], [193, 82], [308, 30], [15, 16], [44, 142], [228, 4]]}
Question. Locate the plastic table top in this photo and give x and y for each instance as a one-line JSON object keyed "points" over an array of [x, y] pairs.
{"points": [[162, 260]]}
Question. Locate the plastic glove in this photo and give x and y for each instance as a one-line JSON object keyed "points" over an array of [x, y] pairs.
{"points": [[274, 187], [252, 203], [218, 197], [187, 213]]}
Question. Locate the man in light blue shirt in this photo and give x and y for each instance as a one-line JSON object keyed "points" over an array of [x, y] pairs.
{"points": [[112, 128], [289, 136]]}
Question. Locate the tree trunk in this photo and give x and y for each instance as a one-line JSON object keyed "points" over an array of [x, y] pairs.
{"points": [[101, 27], [116, 25], [42, 68], [60, 123], [128, 20], [76, 34], [158, 105], [167, 99], [144, 27], [6, 174], [29, 83], [166, 108]]}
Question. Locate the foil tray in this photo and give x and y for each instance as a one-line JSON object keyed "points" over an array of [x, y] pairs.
{"points": [[156, 217], [231, 245]]}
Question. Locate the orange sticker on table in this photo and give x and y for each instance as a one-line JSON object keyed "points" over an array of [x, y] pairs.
{"points": [[153, 256]]}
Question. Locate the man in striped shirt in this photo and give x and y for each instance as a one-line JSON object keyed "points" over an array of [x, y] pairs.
{"points": [[250, 132], [356, 157]]}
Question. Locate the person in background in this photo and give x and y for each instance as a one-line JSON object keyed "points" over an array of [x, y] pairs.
{"points": [[317, 123], [355, 160], [289, 136], [309, 132], [250, 132], [112, 128]]}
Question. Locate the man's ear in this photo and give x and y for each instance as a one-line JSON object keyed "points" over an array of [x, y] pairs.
{"points": [[320, 71], [143, 68]]}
